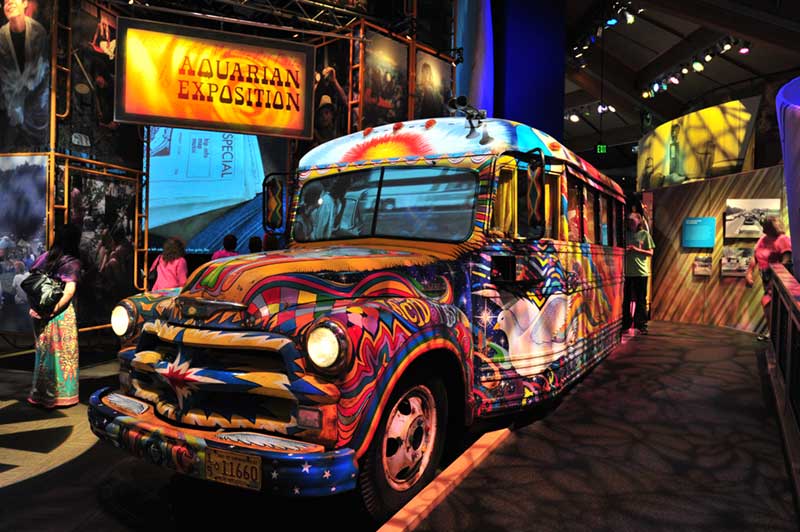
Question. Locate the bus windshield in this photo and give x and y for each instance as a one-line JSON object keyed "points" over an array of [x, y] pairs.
{"points": [[414, 203]]}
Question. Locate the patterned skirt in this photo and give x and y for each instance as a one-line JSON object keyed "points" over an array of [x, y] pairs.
{"points": [[55, 374]]}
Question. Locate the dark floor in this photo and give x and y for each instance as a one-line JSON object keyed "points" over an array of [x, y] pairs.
{"points": [[674, 431]]}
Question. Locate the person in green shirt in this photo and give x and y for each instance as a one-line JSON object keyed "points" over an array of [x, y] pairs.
{"points": [[638, 251]]}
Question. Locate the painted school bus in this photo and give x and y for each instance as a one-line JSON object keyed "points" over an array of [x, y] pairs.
{"points": [[439, 271]]}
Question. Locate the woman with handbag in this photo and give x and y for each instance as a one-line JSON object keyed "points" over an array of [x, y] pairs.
{"points": [[169, 267], [55, 373]]}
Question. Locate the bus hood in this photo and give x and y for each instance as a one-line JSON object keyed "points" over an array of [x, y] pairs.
{"points": [[263, 284]]}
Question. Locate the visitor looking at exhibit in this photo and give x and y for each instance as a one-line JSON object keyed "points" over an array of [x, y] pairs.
{"points": [[170, 266], [638, 251], [55, 374], [228, 248], [774, 247]]}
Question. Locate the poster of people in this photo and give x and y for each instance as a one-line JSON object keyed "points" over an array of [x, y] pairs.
{"points": [[433, 86], [705, 143], [386, 81], [206, 184], [743, 217], [330, 92], [25, 76], [90, 130], [105, 210], [23, 184]]}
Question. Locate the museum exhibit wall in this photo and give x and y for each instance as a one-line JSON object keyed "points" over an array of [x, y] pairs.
{"points": [[678, 293]]}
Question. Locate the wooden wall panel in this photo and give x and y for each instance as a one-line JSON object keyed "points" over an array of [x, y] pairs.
{"points": [[677, 295]]}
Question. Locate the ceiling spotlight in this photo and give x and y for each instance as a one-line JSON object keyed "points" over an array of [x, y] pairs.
{"points": [[726, 46], [656, 86], [583, 65], [697, 66], [601, 109], [629, 18], [674, 80], [640, 11], [574, 118], [645, 94], [744, 48], [708, 57], [663, 85], [585, 45], [685, 70], [578, 55], [612, 22], [612, 109]]}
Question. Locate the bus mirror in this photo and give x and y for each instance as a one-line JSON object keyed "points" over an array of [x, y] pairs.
{"points": [[273, 202]]}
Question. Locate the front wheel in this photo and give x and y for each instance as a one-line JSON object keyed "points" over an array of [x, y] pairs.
{"points": [[407, 446]]}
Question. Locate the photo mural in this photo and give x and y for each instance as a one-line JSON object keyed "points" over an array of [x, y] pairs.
{"points": [[385, 97], [105, 210], [705, 143], [23, 184], [89, 129], [433, 86], [206, 184], [25, 76]]}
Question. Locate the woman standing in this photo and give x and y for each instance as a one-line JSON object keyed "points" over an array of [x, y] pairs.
{"points": [[55, 373], [170, 266], [774, 247]]}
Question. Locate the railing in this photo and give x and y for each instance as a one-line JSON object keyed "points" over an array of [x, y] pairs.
{"points": [[783, 361]]}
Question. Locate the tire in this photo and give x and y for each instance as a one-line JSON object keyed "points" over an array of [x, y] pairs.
{"points": [[391, 475]]}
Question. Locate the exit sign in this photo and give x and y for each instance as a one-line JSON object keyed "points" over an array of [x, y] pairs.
{"points": [[602, 148]]}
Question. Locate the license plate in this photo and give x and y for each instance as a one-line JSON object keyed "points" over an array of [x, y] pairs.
{"points": [[242, 470]]}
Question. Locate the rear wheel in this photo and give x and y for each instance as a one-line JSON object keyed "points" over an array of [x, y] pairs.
{"points": [[407, 446]]}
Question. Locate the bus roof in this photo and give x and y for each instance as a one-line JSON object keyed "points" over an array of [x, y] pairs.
{"points": [[444, 137]]}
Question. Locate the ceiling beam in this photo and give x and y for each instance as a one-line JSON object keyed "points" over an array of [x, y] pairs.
{"points": [[611, 137], [734, 18], [693, 44], [620, 88], [578, 98]]}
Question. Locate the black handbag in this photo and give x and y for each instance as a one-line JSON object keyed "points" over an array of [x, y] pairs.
{"points": [[43, 291]]}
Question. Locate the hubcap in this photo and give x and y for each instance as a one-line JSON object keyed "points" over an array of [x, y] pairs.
{"points": [[409, 438]]}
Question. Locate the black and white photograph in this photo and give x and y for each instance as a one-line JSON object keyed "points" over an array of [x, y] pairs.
{"points": [[735, 261], [743, 217]]}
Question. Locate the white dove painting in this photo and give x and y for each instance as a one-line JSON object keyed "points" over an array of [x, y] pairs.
{"points": [[536, 336]]}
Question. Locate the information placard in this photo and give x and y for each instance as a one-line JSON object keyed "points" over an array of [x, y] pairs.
{"points": [[699, 232]]}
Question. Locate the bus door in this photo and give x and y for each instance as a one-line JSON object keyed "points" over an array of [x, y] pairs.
{"points": [[519, 300]]}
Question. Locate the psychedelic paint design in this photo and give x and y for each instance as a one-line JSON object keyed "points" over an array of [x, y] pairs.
{"points": [[499, 322]]}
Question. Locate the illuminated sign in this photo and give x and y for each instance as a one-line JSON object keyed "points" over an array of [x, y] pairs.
{"points": [[174, 75], [602, 148]]}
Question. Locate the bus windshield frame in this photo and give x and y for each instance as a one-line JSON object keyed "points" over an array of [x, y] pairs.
{"points": [[424, 203]]}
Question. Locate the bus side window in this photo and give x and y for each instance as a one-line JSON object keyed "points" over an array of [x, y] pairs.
{"points": [[590, 231], [606, 221], [530, 201], [552, 204], [503, 211], [619, 222], [574, 209]]}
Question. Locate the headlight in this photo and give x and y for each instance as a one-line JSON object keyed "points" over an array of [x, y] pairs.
{"points": [[121, 321], [326, 346]]}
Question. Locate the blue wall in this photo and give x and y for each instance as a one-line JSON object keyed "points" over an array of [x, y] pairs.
{"points": [[529, 40]]}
